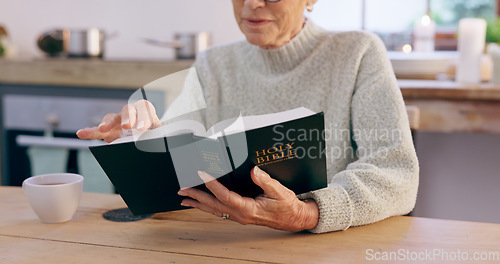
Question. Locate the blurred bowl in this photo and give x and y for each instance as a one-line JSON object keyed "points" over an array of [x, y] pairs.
{"points": [[420, 65]]}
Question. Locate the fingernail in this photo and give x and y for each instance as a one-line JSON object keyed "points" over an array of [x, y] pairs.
{"points": [[79, 131], [184, 204], [182, 193], [140, 125], [204, 176], [257, 170], [125, 121], [102, 124]]}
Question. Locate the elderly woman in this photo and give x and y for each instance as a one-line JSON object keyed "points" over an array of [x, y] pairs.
{"points": [[285, 62]]}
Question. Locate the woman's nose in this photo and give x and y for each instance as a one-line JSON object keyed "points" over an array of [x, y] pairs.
{"points": [[253, 4]]}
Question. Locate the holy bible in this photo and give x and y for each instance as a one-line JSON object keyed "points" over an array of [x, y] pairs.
{"points": [[149, 171]]}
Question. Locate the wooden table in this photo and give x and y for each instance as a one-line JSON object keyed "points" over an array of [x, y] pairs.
{"points": [[447, 106], [191, 236]]}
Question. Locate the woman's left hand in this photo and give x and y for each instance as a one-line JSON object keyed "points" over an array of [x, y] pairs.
{"points": [[277, 208]]}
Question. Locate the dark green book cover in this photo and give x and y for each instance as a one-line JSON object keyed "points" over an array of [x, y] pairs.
{"points": [[292, 152]]}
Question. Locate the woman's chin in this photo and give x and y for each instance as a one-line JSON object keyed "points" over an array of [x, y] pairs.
{"points": [[259, 41]]}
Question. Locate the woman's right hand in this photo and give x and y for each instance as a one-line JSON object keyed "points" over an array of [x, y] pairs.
{"points": [[140, 115]]}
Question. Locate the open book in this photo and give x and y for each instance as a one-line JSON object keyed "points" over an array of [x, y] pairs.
{"points": [[149, 169]]}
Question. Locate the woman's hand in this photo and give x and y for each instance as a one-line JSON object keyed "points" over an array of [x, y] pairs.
{"points": [[277, 208], [140, 115]]}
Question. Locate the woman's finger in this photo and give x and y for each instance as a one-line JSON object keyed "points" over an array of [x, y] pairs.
{"points": [[112, 135], [272, 188], [94, 133], [87, 133], [204, 198], [128, 116], [156, 122], [109, 121], [146, 115], [223, 194], [205, 208]]}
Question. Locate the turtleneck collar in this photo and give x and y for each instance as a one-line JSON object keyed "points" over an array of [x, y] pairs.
{"points": [[287, 57]]}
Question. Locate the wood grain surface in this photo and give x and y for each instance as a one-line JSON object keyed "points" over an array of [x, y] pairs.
{"points": [[191, 235]]}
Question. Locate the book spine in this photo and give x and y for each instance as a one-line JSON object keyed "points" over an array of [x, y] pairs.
{"points": [[225, 146]]}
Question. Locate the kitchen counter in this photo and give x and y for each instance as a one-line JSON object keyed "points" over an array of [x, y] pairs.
{"points": [[134, 74], [448, 90], [87, 72], [445, 106], [449, 107]]}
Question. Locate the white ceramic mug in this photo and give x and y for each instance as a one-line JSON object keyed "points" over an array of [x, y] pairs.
{"points": [[54, 197]]}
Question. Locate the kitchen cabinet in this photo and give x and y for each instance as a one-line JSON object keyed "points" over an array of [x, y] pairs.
{"points": [[36, 110], [458, 145]]}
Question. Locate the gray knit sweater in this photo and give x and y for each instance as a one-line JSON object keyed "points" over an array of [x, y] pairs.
{"points": [[371, 161]]}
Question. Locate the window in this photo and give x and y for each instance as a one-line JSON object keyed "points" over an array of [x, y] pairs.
{"points": [[447, 13], [393, 20]]}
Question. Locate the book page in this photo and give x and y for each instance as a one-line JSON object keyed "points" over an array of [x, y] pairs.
{"points": [[257, 121], [176, 128], [230, 126]]}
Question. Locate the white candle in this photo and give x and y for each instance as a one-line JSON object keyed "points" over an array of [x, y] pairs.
{"points": [[424, 33], [471, 38]]}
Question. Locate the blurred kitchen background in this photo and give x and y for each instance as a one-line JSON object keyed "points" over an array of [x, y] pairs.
{"points": [[45, 99], [128, 22]]}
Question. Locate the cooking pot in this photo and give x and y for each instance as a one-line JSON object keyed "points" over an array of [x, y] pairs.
{"points": [[73, 42], [186, 45], [51, 42]]}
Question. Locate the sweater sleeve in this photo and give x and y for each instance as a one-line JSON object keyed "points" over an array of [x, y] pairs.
{"points": [[383, 181]]}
